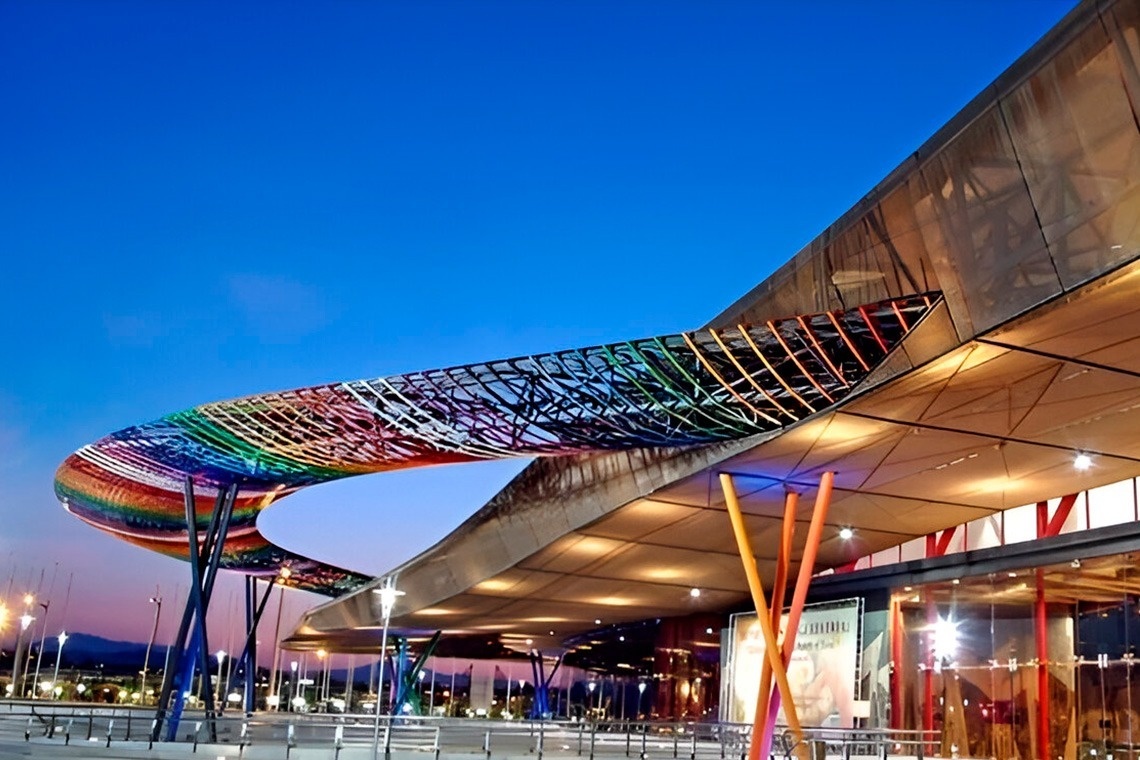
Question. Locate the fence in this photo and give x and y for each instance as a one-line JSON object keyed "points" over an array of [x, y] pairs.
{"points": [[645, 740]]}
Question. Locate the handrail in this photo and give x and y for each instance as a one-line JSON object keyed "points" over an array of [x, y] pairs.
{"points": [[641, 739]]}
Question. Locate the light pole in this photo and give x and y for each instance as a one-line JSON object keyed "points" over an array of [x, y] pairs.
{"points": [[18, 671], [40, 654], [221, 655], [157, 602], [293, 684], [590, 699], [388, 595], [322, 682], [58, 654], [640, 693]]}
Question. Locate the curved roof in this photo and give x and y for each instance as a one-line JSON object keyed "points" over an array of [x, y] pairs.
{"points": [[678, 390]]}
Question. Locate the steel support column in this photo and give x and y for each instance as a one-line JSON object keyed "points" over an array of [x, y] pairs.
{"points": [[409, 672], [541, 705], [799, 596], [779, 586], [203, 569], [1046, 528], [897, 679], [755, 586], [248, 657]]}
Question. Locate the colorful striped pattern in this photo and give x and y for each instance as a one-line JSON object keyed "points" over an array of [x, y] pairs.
{"points": [[677, 390]]}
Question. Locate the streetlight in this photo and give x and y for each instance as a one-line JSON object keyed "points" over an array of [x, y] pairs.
{"points": [[322, 684], [40, 653], [221, 655], [58, 654], [293, 683], [157, 602], [19, 666], [388, 595]]}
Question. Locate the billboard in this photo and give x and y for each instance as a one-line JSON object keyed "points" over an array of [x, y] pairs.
{"points": [[823, 671]]}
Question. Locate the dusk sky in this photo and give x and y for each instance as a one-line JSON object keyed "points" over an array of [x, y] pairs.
{"points": [[206, 200]]}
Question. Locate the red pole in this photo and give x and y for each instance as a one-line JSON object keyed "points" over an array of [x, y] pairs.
{"points": [[928, 674], [1041, 629], [896, 631]]}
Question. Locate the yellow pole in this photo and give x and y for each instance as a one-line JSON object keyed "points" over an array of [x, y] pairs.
{"points": [[771, 647]]}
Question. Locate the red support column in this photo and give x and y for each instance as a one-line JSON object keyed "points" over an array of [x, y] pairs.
{"points": [[1041, 634], [928, 659], [896, 634]]}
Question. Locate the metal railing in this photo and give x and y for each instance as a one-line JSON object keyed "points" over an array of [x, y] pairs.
{"points": [[645, 740]]}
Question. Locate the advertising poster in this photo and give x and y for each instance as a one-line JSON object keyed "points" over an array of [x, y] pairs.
{"points": [[823, 670]]}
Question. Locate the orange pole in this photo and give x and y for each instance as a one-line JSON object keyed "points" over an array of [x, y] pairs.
{"points": [[791, 498], [807, 563], [799, 597], [771, 646]]}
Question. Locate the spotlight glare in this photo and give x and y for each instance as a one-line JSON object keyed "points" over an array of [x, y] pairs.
{"points": [[846, 533], [1082, 462]]}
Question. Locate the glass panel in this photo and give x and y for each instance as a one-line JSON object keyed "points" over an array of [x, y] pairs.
{"points": [[1076, 138]]}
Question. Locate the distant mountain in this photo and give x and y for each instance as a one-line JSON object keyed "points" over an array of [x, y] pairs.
{"points": [[89, 652]]}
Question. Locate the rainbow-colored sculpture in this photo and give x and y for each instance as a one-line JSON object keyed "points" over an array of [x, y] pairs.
{"points": [[678, 390]]}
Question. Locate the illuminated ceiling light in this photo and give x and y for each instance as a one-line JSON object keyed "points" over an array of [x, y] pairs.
{"points": [[846, 534], [529, 642], [1013, 575], [955, 581], [552, 633], [1082, 462], [597, 621], [709, 631], [908, 588], [621, 638], [694, 592]]}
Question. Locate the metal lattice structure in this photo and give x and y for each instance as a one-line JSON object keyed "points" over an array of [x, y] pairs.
{"points": [[678, 390]]}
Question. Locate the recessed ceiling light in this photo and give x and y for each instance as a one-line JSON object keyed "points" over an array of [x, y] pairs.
{"points": [[694, 592], [621, 638], [908, 588], [1082, 462], [597, 621], [708, 631], [846, 533]]}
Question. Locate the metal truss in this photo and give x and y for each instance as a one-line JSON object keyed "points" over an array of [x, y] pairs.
{"points": [[677, 390]]}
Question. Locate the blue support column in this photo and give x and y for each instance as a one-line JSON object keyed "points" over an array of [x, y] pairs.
{"points": [[203, 569], [247, 660], [541, 706], [407, 675]]}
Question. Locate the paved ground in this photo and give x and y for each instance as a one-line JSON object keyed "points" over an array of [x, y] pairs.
{"points": [[61, 731]]}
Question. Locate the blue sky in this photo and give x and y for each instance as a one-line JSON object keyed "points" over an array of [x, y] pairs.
{"points": [[205, 200]]}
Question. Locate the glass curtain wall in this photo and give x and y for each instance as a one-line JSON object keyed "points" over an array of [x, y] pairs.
{"points": [[978, 659]]}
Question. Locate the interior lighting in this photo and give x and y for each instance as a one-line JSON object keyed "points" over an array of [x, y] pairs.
{"points": [[1082, 462], [945, 639], [846, 533], [694, 592], [597, 621]]}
